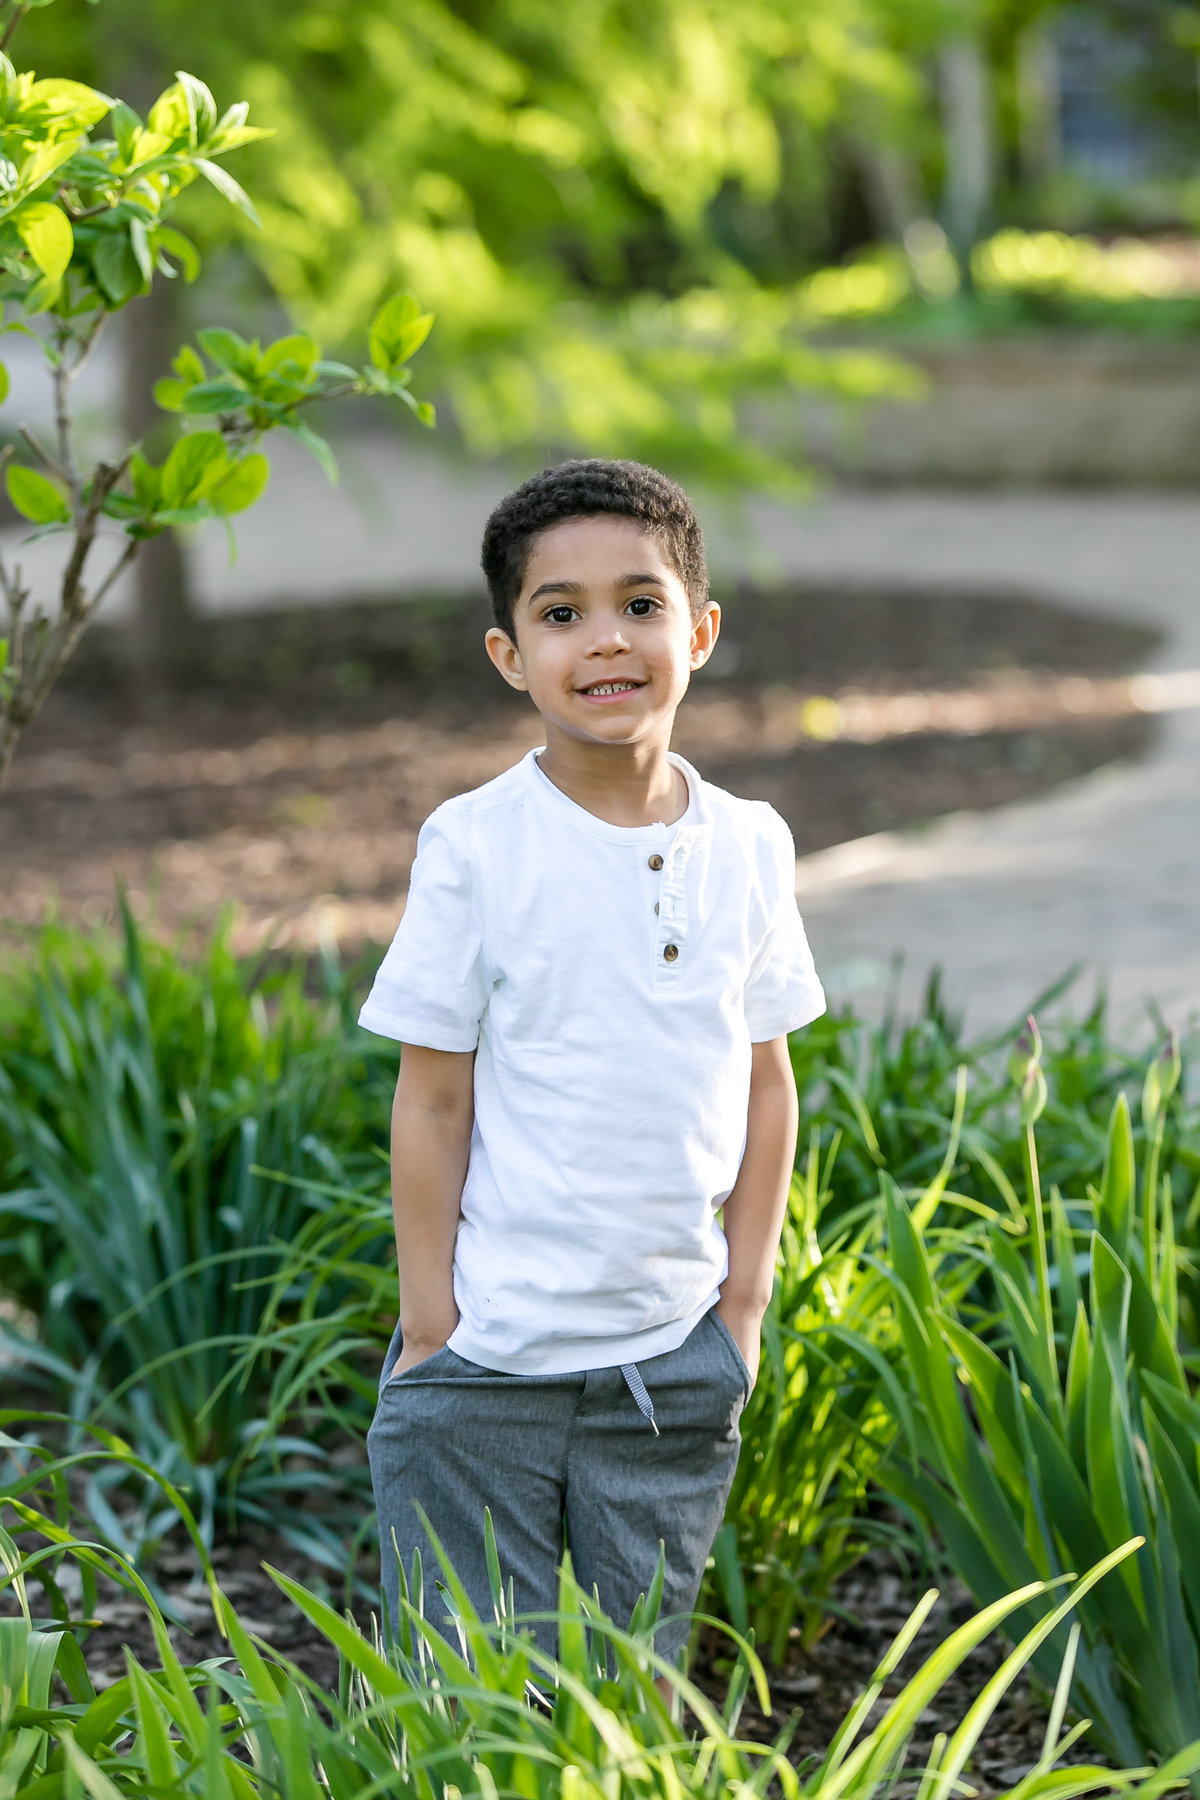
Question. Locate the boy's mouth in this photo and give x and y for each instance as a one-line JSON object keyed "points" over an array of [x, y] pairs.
{"points": [[609, 690]]}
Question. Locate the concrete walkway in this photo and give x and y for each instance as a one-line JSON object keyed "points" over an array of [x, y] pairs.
{"points": [[1106, 872]]}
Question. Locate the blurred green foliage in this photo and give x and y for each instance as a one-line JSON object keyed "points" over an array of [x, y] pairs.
{"points": [[611, 208], [606, 205]]}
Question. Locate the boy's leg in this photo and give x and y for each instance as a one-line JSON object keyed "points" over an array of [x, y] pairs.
{"points": [[454, 1438], [628, 1489]]}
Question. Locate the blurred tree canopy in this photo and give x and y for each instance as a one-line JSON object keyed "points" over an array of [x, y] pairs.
{"points": [[610, 206], [606, 204]]}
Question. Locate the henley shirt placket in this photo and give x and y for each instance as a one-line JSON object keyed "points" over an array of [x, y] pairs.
{"points": [[670, 953]]}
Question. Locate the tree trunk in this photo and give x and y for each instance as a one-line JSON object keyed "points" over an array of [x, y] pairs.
{"points": [[1038, 103], [893, 186], [162, 644], [132, 46], [968, 129]]}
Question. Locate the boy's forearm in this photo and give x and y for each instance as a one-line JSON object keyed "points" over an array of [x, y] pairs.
{"points": [[431, 1139], [755, 1210]]}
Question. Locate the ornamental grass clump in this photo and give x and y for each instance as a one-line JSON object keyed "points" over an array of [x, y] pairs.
{"points": [[479, 1711], [1064, 1420], [819, 1422], [142, 1101]]}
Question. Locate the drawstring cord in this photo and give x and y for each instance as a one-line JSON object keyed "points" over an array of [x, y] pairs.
{"points": [[637, 1387]]}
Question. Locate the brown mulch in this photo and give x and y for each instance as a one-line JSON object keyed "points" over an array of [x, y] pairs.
{"points": [[291, 773]]}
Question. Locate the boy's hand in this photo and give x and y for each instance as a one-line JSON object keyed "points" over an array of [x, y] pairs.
{"points": [[417, 1350], [745, 1328], [753, 1214]]}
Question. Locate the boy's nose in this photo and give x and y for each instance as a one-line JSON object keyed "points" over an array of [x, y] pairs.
{"points": [[609, 640]]}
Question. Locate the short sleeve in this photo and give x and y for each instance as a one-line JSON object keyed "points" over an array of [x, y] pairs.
{"points": [[432, 987], [782, 990]]}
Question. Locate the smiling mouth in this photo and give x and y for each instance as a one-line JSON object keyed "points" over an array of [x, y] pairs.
{"points": [[603, 688]]}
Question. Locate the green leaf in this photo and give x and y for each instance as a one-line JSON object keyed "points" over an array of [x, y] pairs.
{"points": [[201, 107], [154, 1722], [116, 268], [299, 348], [181, 515], [45, 160], [188, 367], [228, 188], [169, 115], [421, 409], [55, 99], [196, 464], [143, 255], [1117, 1186], [229, 351], [34, 497], [315, 445], [170, 393], [45, 231], [398, 329], [146, 479], [242, 486], [125, 125], [212, 397], [3, 384], [169, 242], [43, 295]]}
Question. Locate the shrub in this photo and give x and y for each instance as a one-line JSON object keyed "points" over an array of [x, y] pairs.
{"points": [[1067, 1421], [142, 1102]]}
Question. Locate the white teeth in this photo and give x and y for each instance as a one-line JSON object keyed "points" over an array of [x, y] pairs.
{"points": [[612, 687]]}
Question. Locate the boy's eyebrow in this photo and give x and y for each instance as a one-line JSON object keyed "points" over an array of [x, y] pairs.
{"points": [[576, 587], [556, 587]]}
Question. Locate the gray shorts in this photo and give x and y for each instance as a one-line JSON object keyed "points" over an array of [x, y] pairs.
{"points": [[561, 1458]]}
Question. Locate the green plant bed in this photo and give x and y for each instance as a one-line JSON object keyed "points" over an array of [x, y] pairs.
{"points": [[480, 1710], [219, 1127], [154, 1110], [1065, 1416]]}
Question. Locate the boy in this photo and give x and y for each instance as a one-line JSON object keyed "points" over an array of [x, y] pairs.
{"points": [[593, 981]]}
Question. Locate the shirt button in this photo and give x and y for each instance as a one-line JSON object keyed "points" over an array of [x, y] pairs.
{"points": [[655, 862], [656, 906], [671, 952]]}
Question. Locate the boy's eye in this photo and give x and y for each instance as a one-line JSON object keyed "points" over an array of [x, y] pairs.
{"points": [[560, 615], [642, 606]]}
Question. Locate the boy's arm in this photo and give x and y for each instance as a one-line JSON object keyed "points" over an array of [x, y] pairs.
{"points": [[432, 1116], [754, 1212]]}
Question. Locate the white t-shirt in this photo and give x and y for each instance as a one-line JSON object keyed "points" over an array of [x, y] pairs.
{"points": [[611, 980]]}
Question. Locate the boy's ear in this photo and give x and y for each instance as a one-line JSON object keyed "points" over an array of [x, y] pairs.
{"points": [[705, 633], [504, 653]]}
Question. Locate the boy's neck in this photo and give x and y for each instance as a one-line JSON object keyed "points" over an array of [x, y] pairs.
{"points": [[623, 784]]}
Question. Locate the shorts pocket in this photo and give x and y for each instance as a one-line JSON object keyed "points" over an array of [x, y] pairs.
{"points": [[730, 1343], [429, 1365]]}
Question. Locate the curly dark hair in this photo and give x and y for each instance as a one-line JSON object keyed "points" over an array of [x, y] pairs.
{"points": [[578, 490]]}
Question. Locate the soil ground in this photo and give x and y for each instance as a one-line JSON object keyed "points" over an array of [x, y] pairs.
{"points": [[292, 774]]}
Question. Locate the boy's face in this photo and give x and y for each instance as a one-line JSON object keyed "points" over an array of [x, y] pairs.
{"points": [[605, 638]]}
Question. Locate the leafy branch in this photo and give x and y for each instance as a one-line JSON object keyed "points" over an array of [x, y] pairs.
{"points": [[84, 230]]}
